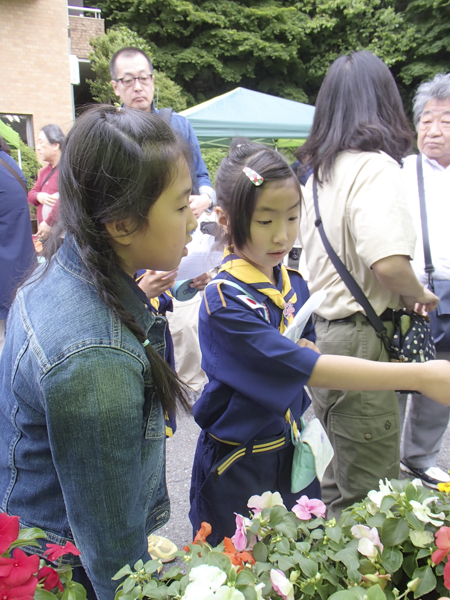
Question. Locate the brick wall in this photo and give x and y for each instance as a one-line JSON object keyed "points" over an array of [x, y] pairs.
{"points": [[82, 29], [34, 61]]}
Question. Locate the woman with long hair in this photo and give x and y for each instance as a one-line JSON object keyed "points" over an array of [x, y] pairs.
{"points": [[359, 136]]}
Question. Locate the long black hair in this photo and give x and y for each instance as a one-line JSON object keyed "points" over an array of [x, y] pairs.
{"points": [[358, 108], [115, 165], [236, 194]]}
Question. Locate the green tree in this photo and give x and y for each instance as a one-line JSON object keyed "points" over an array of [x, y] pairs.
{"points": [[430, 53], [167, 92], [282, 47], [30, 164]]}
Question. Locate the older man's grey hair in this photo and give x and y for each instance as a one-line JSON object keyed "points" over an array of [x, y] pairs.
{"points": [[436, 89]]}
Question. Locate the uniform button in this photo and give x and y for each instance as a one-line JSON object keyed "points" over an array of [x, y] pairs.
{"points": [[368, 436]]}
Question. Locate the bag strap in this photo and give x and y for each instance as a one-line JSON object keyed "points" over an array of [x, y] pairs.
{"points": [[49, 175], [347, 278], [429, 268], [16, 175]]}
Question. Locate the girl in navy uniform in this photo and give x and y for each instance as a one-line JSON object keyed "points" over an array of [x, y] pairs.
{"points": [[256, 375]]}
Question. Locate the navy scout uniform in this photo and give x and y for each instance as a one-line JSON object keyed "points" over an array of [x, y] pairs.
{"points": [[255, 375]]}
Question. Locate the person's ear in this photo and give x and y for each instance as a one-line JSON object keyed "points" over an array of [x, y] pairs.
{"points": [[121, 231], [115, 87], [222, 218]]}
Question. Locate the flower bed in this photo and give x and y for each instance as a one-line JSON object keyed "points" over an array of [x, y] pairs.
{"points": [[392, 545]]}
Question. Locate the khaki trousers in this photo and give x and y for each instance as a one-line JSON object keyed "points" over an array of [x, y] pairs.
{"points": [[363, 427]]}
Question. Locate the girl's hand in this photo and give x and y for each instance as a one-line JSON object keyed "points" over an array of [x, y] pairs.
{"points": [[201, 281], [436, 380], [304, 343], [154, 284], [47, 199]]}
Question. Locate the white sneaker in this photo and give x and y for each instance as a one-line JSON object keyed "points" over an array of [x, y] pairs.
{"points": [[430, 477]]}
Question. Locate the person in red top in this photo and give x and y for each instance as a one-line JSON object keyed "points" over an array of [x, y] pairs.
{"points": [[44, 194]]}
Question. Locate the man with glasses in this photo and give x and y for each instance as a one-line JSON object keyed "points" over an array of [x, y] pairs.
{"points": [[132, 80]]}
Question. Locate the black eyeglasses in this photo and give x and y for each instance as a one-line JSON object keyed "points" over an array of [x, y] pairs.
{"points": [[128, 81]]}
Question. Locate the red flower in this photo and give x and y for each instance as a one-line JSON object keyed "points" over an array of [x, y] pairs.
{"points": [[17, 570], [237, 558], [55, 551], [51, 579], [443, 543], [22, 592], [201, 536], [9, 531]]}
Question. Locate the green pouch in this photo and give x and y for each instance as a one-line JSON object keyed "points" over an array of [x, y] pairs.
{"points": [[312, 454]]}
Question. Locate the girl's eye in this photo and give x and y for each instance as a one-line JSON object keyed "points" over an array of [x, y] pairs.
{"points": [[183, 208], [293, 218], [264, 222]]}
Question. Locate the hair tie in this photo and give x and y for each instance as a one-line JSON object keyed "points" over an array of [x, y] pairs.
{"points": [[254, 177]]}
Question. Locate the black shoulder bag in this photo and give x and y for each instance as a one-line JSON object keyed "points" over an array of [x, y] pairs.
{"points": [[439, 318], [412, 340]]}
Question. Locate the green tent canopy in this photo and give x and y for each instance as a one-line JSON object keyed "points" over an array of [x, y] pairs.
{"points": [[9, 135], [245, 113]]}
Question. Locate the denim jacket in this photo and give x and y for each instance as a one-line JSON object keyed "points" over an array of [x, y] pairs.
{"points": [[82, 448]]}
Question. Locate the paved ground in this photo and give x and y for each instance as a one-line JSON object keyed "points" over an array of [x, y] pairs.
{"points": [[180, 453]]}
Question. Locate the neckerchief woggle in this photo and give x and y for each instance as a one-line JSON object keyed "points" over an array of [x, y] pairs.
{"points": [[285, 300], [247, 273]]}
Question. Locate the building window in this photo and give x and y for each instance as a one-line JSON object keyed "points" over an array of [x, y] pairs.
{"points": [[22, 124]]}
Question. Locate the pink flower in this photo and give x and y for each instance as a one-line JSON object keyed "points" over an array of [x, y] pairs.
{"points": [[267, 500], [55, 551], [281, 584], [9, 531], [306, 507], [443, 543], [17, 570], [22, 592], [240, 537], [369, 540], [447, 575]]}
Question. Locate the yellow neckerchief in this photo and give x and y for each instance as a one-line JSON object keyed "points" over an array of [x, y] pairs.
{"points": [[247, 273]]}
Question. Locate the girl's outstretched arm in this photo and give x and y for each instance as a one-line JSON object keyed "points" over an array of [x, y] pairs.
{"points": [[347, 373]]}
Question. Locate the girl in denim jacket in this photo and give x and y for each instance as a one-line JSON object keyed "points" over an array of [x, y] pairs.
{"points": [[84, 386]]}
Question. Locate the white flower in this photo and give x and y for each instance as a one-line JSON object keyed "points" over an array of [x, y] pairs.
{"points": [[377, 496], [369, 540], [267, 500], [258, 590], [227, 593], [424, 514], [281, 584], [205, 580]]}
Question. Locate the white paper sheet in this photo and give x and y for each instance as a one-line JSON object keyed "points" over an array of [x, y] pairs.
{"points": [[295, 329]]}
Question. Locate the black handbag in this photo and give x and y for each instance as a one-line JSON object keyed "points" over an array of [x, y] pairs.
{"points": [[440, 318], [412, 340]]}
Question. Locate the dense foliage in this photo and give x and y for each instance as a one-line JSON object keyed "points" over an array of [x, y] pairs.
{"points": [[283, 47]]}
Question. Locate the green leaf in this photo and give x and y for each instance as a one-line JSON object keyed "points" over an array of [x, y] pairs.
{"points": [[126, 570], [427, 581], [352, 594], [139, 565], [411, 492], [276, 515], [394, 532], [260, 552], [409, 565], [285, 563], [248, 591], [392, 559], [387, 503], [349, 557], [245, 577], [283, 546], [375, 593], [414, 522], [421, 539], [41, 594], [217, 559], [33, 533], [308, 566], [334, 533]]}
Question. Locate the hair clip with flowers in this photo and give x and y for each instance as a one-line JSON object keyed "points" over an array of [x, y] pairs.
{"points": [[254, 177]]}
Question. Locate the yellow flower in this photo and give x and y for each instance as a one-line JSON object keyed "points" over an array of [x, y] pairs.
{"points": [[444, 487]]}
